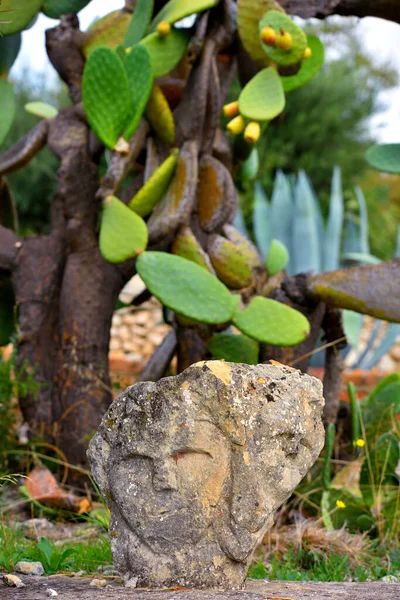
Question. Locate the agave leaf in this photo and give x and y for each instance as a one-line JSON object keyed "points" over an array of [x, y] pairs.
{"points": [[277, 259], [179, 283], [239, 223], [272, 322], [333, 234], [9, 48], [17, 14], [166, 52], [362, 206], [369, 289], [305, 244], [352, 325], [139, 22], [105, 94], [7, 108], [359, 257], [55, 8], [262, 99], [384, 157], [280, 21], [309, 67], [140, 81], [175, 10], [261, 220], [123, 234], [41, 109], [282, 210], [234, 348]]}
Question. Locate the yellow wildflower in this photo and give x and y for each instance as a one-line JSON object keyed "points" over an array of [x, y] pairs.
{"points": [[340, 504], [360, 443]]}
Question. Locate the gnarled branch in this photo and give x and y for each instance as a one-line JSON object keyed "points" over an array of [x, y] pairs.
{"points": [[385, 9]]}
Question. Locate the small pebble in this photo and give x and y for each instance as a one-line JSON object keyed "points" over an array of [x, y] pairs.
{"points": [[51, 593], [12, 581], [390, 579], [99, 583], [132, 583], [29, 568]]}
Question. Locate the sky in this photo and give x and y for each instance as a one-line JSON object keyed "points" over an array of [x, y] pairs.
{"points": [[379, 36]]}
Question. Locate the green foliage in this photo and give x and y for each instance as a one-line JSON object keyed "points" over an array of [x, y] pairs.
{"points": [[329, 445], [53, 557], [234, 348], [278, 257], [261, 220], [385, 157], [138, 24], [179, 283], [166, 52], [123, 234], [262, 98], [55, 8], [9, 49], [17, 14], [309, 67], [7, 108], [271, 322], [175, 10], [41, 109], [105, 94], [140, 81], [280, 21], [257, 571], [7, 303], [155, 187]]}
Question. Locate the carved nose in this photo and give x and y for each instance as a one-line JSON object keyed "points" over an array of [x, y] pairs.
{"points": [[164, 477]]}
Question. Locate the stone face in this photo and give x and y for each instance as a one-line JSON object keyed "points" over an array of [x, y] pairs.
{"points": [[29, 568], [193, 468]]}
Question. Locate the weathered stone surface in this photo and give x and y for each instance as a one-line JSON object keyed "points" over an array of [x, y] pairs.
{"points": [[193, 468], [29, 568]]}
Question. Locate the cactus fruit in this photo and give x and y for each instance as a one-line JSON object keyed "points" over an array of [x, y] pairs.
{"points": [[271, 322], [139, 22], [167, 51], [179, 283], [216, 194], [175, 208], [291, 41], [159, 115], [175, 10], [140, 80], [163, 29], [307, 53], [236, 126], [262, 99], [232, 266], [232, 109], [249, 14], [252, 132], [284, 41], [187, 246], [268, 36], [41, 109], [155, 187], [17, 15], [108, 31], [123, 234]]}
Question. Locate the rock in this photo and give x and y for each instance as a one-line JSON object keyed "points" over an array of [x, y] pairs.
{"points": [[98, 583], [35, 528], [132, 582], [193, 468], [12, 580], [29, 568], [391, 579], [51, 593]]}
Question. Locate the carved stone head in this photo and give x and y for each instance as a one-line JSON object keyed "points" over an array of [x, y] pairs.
{"points": [[193, 468]]}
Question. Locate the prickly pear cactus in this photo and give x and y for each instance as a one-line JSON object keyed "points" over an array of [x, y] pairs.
{"points": [[233, 267], [7, 108], [109, 31], [385, 157], [175, 10], [187, 246], [123, 234], [55, 8], [159, 115], [17, 15], [249, 14], [291, 41], [140, 81], [216, 194], [166, 51]]}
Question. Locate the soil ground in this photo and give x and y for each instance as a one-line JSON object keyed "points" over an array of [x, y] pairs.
{"points": [[78, 588]]}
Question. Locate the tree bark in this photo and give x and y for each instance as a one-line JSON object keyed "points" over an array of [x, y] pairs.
{"points": [[385, 9]]}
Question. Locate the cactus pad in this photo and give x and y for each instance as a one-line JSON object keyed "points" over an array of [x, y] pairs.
{"points": [[159, 115], [108, 31], [262, 99], [41, 109], [309, 67], [243, 244], [175, 10], [155, 187], [278, 257], [233, 267], [139, 22], [123, 234], [9, 48], [7, 108], [166, 52], [216, 196], [384, 157], [55, 8], [278, 20], [140, 81], [105, 94], [234, 348], [271, 322], [187, 246], [185, 287], [249, 14], [17, 14]]}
